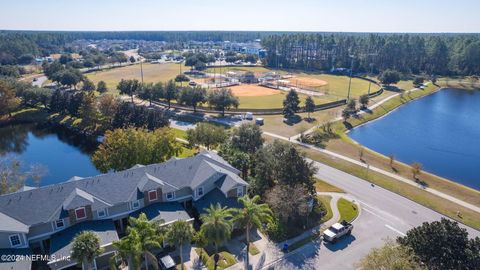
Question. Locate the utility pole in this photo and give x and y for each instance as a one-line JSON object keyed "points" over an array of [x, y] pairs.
{"points": [[351, 74], [141, 69]]}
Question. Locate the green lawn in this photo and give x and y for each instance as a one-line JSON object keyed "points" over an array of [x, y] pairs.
{"points": [[182, 134], [273, 101], [322, 186], [337, 86], [151, 73], [226, 259], [348, 210]]}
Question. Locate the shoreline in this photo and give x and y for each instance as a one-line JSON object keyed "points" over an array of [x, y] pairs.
{"points": [[399, 161]]}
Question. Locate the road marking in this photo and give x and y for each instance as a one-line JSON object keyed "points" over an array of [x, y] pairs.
{"points": [[395, 230]]}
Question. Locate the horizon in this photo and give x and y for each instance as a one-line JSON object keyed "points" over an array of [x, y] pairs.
{"points": [[371, 16], [253, 31]]}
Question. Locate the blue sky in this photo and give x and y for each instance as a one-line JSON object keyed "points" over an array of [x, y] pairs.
{"points": [[298, 15]]}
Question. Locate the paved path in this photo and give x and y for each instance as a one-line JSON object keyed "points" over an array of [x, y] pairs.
{"points": [[375, 169], [370, 108]]}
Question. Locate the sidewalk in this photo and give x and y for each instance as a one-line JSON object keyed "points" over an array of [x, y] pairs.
{"points": [[378, 170]]}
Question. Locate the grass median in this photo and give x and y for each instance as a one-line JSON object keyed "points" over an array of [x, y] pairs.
{"points": [[348, 210]]}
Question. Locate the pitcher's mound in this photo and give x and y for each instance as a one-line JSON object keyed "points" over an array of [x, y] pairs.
{"points": [[253, 90]]}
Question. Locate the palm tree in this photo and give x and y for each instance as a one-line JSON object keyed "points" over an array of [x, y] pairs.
{"points": [[217, 225], [86, 246], [251, 216], [149, 236], [178, 234], [128, 249]]}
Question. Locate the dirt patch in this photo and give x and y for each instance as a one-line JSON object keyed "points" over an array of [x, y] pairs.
{"points": [[253, 90], [307, 81]]}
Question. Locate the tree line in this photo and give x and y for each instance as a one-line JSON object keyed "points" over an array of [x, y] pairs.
{"points": [[439, 54], [219, 99]]}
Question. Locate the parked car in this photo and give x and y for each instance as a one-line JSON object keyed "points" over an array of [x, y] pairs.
{"points": [[337, 231], [249, 116], [192, 83], [167, 263], [259, 121]]}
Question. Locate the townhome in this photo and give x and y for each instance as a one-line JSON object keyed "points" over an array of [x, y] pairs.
{"points": [[45, 220]]}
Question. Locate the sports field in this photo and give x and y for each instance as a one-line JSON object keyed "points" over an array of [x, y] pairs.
{"points": [[253, 96], [334, 87], [250, 95], [151, 73]]}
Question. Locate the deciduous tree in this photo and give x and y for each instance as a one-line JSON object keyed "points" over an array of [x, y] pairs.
{"points": [[192, 96], [8, 100], [206, 134], [222, 99], [124, 148], [443, 245]]}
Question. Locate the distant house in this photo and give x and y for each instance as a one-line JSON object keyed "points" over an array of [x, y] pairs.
{"points": [[45, 220]]}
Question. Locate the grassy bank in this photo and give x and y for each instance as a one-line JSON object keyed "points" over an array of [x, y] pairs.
{"points": [[348, 147], [322, 186]]}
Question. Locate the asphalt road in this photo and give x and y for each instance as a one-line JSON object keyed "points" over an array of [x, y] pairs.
{"points": [[384, 214]]}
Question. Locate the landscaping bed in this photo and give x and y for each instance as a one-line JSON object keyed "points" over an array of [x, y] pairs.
{"points": [[226, 258]]}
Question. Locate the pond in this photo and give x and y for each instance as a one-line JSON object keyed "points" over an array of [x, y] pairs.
{"points": [[441, 131], [61, 153]]}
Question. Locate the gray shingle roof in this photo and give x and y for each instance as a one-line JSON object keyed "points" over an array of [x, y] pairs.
{"points": [[46, 204], [213, 197], [166, 211], [61, 242], [9, 224]]}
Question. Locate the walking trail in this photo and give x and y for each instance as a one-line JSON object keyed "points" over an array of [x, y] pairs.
{"points": [[293, 139]]}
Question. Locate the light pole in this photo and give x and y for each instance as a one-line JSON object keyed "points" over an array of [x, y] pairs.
{"points": [[351, 74], [141, 69]]}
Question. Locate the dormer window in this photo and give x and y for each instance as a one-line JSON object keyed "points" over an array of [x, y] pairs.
{"points": [[199, 191], [80, 213], [152, 195], [59, 224], [239, 191], [135, 204], [15, 240], [170, 196], [102, 213]]}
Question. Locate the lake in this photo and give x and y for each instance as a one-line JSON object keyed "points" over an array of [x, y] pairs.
{"points": [[441, 131], [63, 154]]}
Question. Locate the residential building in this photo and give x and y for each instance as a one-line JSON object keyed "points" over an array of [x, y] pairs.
{"points": [[45, 220]]}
